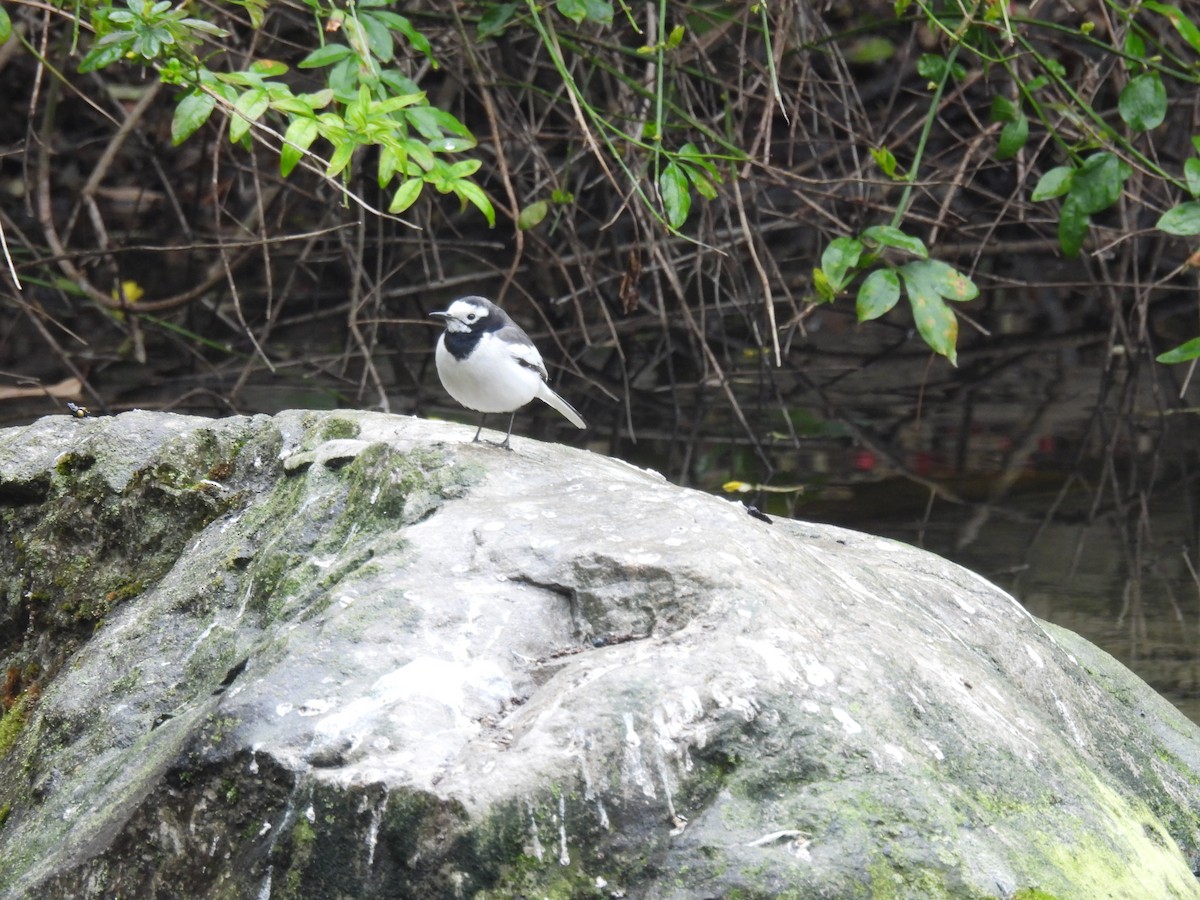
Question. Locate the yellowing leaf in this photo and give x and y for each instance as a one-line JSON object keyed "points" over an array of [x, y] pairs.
{"points": [[935, 321]]}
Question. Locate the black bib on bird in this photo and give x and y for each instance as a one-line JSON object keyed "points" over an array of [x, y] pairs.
{"points": [[461, 343]]}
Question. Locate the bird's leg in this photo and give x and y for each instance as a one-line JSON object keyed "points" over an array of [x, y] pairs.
{"points": [[479, 431], [511, 419]]}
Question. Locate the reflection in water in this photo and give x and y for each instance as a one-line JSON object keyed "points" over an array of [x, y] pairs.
{"points": [[1135, 597]]}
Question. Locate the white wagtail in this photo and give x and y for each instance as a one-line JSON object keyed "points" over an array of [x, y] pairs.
{"points": [[488, 363]]}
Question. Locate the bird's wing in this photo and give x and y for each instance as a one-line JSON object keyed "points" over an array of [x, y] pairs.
{"points": [[522, 349]]}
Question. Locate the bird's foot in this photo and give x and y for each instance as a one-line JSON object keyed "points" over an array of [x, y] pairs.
{"points": [[503, 445]]}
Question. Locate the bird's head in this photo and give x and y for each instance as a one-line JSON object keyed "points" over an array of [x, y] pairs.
{"points": [[470, 314]]}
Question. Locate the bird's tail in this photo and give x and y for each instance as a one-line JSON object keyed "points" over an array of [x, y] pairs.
{"points": [[561, 405]]}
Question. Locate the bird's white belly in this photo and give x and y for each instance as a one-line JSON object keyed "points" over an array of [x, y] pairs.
{"points": [[487, 382]]}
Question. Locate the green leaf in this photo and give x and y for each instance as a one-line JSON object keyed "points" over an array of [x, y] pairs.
{"points": [[451, 144], [826, 292], [420, 153], [395, 102], [675, 38], [1013, 137], [397, 22], [1183, 353], [878, 294], [406, 195], [1143, 102], [871, 49], [1054, 183], [1182, 23], [343, 78], [935, 321], [268, 68], [325, 56], [241, 79], [598, 11], [691, 153], [250, 105], [1072, 226], [532, 215], [933, 68], [469, 191], [1003, 109], [5, 25], [148, 45], [379, 38], [257, 10], [943, 279], [225, 92], [102, 54], [1134, 45], [439, 177], [1191, 172], [398, 83], [889, 236], [839, 260], [673, 188], [1097, 183], [331, 125], [293, 106], [207, 28], [425, 120], [192, 112], [700, 181], [445, 121], [317, 100], [495, 19], [1182, 220], [342, 152], [301, 132], [389, 161], [357, 111], [465, 168], [575, 10], [353, 33], [885, 160]]}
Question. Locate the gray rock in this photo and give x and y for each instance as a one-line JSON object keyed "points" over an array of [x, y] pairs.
{"points": [[351, 655]]}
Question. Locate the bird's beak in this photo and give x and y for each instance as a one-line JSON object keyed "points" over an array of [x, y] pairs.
{"points": [[439, 315]]}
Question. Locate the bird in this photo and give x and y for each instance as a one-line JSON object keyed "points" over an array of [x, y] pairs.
{"points": [[487, 363]]}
